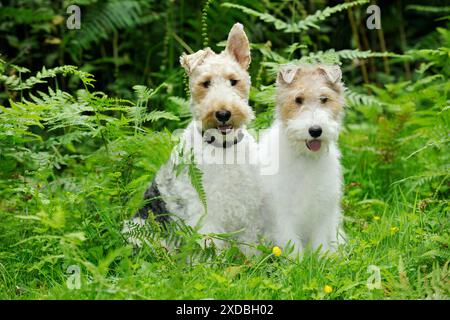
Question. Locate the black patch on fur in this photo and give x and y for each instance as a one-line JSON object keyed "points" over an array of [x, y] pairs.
{"points": [[225, 144], [155, 204], [210, 139]]}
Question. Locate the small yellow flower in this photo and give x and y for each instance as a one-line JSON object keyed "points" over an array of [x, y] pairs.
{"points": [[57, 19], [376, 218], [53, 40], [328, 289], [394, 229], [276, 251]]}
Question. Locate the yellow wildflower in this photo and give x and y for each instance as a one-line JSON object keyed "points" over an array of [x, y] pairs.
{"points": [[394, 229], [328, 289], [276, 251]]}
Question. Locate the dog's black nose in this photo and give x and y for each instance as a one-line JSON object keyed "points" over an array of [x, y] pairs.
{"points": [[223, 115], [315, 131]]}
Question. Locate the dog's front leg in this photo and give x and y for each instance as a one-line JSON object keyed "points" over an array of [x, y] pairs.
{"points": [[286, 235], [328, 235]]}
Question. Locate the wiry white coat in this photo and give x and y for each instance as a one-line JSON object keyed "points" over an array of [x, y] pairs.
{"points": [[233, 193], [303, 197], [302, 200], [218, 82]]}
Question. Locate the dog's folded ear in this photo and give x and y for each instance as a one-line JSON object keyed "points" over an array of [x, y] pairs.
{"points": [[332, 72], [190, 61], [238, 45], [286, 73]]}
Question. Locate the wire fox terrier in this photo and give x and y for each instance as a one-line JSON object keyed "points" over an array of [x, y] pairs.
{"points": [[303, 198], [223, 150]]}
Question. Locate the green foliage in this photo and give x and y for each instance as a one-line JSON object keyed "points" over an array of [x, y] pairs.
{"points": [[196, 175], [431, 9], [205, 23], [15, 83], [106, 18], [304, 24], [75, 159]]}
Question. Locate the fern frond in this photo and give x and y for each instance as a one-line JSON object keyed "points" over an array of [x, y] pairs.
{"points": [[15, 83], [196, 177], [349, 54], [182, 105], [99, 23], [139, 112], [425, 81], [430, 9], [332, 57], [302, 25], [355, 99], [144, 93], [279, 24], [156, 115], [321, 15], [429, 54], [426, 177]]}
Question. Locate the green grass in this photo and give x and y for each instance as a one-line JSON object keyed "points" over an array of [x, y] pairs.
{"points": [[413, 261]]}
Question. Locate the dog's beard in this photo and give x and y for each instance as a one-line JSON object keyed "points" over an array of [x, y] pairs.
{"points": [[221, 138]]}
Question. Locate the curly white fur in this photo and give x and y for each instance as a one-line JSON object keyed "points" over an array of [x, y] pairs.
{"points": [[219, 83], [233, 194], [303, 198]]}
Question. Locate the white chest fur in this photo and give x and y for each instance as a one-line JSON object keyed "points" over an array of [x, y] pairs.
{"points": [[230, 180], [303, 197]]}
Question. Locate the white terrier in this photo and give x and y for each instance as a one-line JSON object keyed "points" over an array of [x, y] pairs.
{"points": [[303, 198], [223, 150]]}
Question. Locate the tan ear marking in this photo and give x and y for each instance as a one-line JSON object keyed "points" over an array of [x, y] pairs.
{"points": [[286, 73], [332, 72], [190, 61], [238, 46]]}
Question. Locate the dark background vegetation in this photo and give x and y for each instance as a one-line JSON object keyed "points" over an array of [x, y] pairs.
{"points": [[139, 41]]}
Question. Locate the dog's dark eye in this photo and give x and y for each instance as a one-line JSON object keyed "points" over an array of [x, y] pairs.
{"points": [[206, 83], [323, 99], [299, 100], [233, 82]]}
